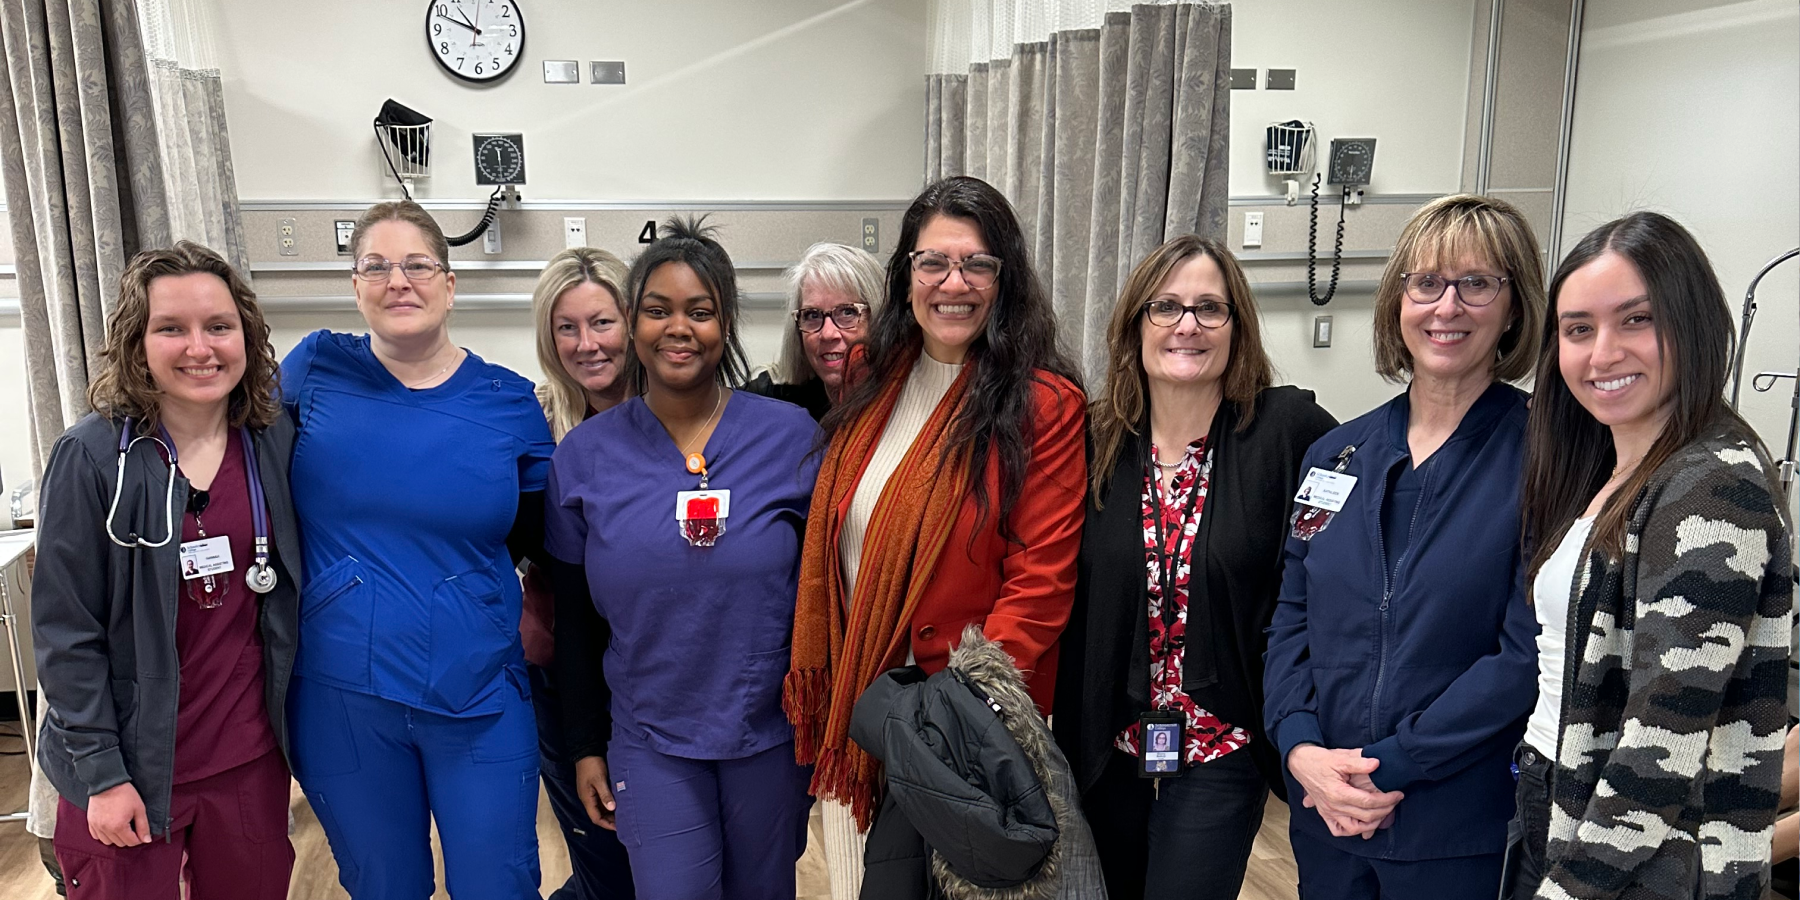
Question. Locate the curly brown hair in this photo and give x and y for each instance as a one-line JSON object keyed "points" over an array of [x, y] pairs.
{"points": [[125, 386]]}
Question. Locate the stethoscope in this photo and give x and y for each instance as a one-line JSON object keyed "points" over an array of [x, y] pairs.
{"points": [[260, 577]]}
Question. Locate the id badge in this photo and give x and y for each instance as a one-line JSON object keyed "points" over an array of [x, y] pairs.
{"points": [[1161, 742], [208, 556], [701, 516], [1320, 498]]}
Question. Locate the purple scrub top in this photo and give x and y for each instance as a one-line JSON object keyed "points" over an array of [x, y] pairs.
{"points": [[700, 635]]}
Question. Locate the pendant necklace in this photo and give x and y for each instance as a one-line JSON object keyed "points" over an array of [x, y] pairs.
{"points": [[696, 461]]}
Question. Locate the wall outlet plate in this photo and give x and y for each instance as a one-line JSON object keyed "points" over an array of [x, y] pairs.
{"points": [[1243, 79], [871, 235], [344, 228], [562, 71], [1253, 227], [606, 71], [574, 231], [1281, 79], [286, 238]]}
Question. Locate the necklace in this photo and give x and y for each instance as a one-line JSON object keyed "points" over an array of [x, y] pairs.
{"points": [[696, 462], [455, 355]]}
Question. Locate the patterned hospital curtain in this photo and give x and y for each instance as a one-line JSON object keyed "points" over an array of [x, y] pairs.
{"points": [[84, 186], [1106, 123]]}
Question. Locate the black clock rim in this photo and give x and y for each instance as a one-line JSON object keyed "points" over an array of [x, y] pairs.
{"points": [[491, 79]]}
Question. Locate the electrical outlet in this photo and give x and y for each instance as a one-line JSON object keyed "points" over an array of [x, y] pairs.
{"points": [[871, 235], [344, 228], [1253, 229], [1321, 331], [575, 231], [286, 238], [490, 240]]}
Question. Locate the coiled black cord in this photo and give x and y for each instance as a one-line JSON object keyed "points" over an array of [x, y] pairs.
{"points": [[1312, 250]]}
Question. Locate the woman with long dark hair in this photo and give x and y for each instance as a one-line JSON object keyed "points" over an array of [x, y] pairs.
{"points": [[675, 521], [1196, 462], [1662, 578], [951, 493]]}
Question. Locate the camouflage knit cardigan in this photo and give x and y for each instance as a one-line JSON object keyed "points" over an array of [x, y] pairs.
{"points": [[1674, 699]]}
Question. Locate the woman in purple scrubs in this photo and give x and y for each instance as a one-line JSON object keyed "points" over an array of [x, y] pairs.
{"points": [[676, 520]]}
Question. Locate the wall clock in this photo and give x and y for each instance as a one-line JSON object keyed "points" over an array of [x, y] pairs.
{"points": [[476, 40]]}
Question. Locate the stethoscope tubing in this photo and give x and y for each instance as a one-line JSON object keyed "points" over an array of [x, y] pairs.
{"points": [[258, 501]]}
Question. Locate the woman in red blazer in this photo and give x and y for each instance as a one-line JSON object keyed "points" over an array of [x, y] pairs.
{"points": [[951, 493]]}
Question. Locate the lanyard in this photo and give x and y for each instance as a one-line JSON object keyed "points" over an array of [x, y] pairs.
{"points": [[1167, 563]]}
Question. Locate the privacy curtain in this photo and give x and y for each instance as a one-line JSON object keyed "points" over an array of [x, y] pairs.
{"points": [[101, 158], [1106, 123]]}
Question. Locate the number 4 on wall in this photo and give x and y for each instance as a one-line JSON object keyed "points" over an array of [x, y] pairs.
{"points": [[648, 235]]}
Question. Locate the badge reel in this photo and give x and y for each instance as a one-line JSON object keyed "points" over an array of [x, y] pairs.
{"points": [[1321, 497], [1164, 734]]}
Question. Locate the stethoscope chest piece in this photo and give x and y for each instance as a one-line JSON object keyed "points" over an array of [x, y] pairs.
{"points": [[260, 577]]}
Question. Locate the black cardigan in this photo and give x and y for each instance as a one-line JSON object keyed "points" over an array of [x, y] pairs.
{"points": [[1103, 679]]}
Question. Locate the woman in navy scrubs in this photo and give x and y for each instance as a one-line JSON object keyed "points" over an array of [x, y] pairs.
{"points": [[417, 466], [1400, 665]]}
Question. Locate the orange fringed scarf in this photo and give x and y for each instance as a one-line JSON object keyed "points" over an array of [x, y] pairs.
{"points": [[834, 661]]}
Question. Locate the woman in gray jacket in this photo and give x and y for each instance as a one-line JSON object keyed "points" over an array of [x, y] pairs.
{"points": [[166, 598]]}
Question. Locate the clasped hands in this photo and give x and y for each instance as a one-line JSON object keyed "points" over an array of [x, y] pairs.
{"points": [[1337, 784]]}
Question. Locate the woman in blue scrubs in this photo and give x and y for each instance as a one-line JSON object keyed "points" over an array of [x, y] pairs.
{"points": [[416, 467]]}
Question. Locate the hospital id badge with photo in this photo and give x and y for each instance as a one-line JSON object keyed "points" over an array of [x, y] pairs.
{"points": [[1163, 735], [701, 515], [1320, 498], [207, 556]]}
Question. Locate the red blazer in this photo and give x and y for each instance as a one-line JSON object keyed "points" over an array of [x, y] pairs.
{"points": [[1019, 593]]}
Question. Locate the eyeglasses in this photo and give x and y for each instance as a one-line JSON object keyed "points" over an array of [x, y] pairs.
{"points": [[847, 317], [415, 268], [979, 270], [1209, 313], [1472, 290]]}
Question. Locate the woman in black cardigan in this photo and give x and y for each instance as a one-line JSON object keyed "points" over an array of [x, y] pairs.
{"points": [[1188, 427]]}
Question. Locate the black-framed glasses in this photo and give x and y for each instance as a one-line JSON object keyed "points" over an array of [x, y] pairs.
{"points": [[415, 268], [979, 270], [1472, 290], [1209, 313], [847, 317]]}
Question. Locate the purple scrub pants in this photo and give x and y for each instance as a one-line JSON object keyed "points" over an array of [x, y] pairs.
{"points": [[710, 829]]}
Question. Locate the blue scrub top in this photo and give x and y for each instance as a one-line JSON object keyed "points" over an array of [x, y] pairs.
{"points": [[700, 635], [405, 499]]}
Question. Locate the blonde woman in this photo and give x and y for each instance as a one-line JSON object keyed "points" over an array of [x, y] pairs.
{"points": [[581, 346], [834, 292]]}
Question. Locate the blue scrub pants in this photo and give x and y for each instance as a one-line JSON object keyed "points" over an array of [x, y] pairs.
{"points": [[378, 772], [599, 868], [1327, 873], [710, 829]]}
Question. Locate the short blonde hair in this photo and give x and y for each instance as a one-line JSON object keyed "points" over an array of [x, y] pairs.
{"points": [[836, 266], [565, 404], [1457, 227]]}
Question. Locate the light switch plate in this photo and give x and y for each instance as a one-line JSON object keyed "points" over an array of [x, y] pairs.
{"points": [[344, 228], [286, 238], [1321, 331], [1253, 224], [562, 71], [1281, 79], [490, 239], [1243, 79], [606, 71], [574, 231]]}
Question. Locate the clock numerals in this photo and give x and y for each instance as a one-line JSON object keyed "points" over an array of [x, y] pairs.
{"points": [[476, 40]]}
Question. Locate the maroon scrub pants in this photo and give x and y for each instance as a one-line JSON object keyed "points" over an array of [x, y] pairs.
{"points": [[230, 828]]}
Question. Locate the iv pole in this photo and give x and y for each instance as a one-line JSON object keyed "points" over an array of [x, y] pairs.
{"points": [[1765, 381]]}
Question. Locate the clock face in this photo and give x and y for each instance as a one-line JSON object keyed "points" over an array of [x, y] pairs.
{"points": [[476, 40]]}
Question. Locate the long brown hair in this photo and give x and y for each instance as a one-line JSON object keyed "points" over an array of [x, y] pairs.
{"points": [[1124, 406], [1443, 232], [1569, 454], [125, 386]]}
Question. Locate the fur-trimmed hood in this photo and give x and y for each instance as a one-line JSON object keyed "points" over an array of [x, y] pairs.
{"points": [[975, 783]]}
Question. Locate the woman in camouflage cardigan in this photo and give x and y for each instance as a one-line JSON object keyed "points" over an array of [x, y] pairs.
{"points": [[1662, 568]]}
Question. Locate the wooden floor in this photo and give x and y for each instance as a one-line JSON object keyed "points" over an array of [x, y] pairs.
{"points": [[22, 877]]}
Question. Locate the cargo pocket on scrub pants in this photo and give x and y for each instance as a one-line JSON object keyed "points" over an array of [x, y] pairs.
{"points": [[470, 638]]}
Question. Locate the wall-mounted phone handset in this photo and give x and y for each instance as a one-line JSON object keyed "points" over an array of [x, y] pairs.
{"points": [[1352, 163]]}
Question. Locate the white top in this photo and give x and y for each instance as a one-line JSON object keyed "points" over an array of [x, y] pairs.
{"points": [[926, 386], [1551, 593]]}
